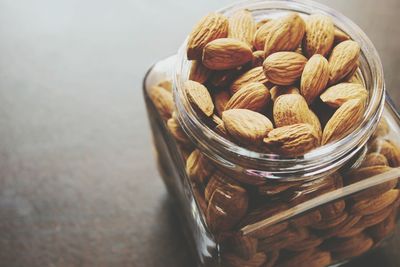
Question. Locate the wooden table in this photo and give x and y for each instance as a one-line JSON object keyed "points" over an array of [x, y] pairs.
{"points": [[78, 182]]}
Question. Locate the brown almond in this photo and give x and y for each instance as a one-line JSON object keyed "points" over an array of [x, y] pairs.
{"points": [[374, 159], [293, 140], [342, 60], [284, 68], [375, 218], [309, 243], [284, 34], [314, 78], [252, 96], [162, 100], [382, 129], [372, 205], [243, 246], [387, 148], [343, 120], [209, 28], [242, 26], [199, 97], [198, 72], [226, 53], [218, 180], [177, 132], [319, 35], [261, 34], [166, 84], [340, 93], [226, 208], [246, 126], [279, 90], [233, 260], [363, 173], [250, 76], [198, 167], [291, 109]]}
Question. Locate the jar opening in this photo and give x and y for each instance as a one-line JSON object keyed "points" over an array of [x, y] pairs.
{"points": [[318, 161]]}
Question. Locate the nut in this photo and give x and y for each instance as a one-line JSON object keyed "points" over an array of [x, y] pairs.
{"points": [[209, 28], [252, 96], [242, 26], [199, 97], [319, 35], [339, 94], [342, 60], [162, 100], [250, 76], [284, 68], [226, 53]]}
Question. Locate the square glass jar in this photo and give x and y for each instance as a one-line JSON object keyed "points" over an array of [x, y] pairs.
{"points": [[243, 208]]}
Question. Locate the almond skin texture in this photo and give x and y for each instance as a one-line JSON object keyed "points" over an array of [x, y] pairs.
{"points": [[250, 76], [197, 167], [284, 68], [291, 109], [343, 120], [221, 98], [261, 34], [387, 148], [246, 126], [162, 100], [293, 140], [199, 97], [337, 95], [242, 26], [320, 33], [209, 28], [314, 78], [343, 59], [284, 34], [226, 53], [232, 260], [370, 206], [198, 72], [253, 96]]}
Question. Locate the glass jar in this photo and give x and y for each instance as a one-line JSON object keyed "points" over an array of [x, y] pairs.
{"points": [[245, 208]]}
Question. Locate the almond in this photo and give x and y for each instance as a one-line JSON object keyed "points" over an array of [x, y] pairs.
{"points": [[338, 94], [209, 28], [293, 140], [372, 205], [243, 246], [309, 243], [284, 34], [199, 97], [291, 109], [232, 260], [387, 148], [198, 167], [177, 132], [319, 35], [374, 159], [226, 208], [198, 72], [279, 90], [314, 78], [166, 84], [261, 34], [246, 126], [218, 180], [261, 23], [250, 76], [342, 60], [367, 172], [284, 68], [252, 96], [343, 120], [283, 239], [242, 26], [226, 53], [162, 100], [221, 98], [375, 218], [382, 129]]}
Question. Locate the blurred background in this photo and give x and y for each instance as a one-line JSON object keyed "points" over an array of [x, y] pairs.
{"points": [[78, 181]]}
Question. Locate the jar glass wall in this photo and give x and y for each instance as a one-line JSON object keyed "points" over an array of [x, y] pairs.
{"points": [[242, 208]]}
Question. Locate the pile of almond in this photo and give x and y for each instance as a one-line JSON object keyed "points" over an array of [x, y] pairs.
{"points": [[286, 86]]}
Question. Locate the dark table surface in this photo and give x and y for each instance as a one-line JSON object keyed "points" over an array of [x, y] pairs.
{"points": [[78, 182]]}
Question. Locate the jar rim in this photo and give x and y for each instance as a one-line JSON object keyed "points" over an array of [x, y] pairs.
{"points": [[316, 161]]}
